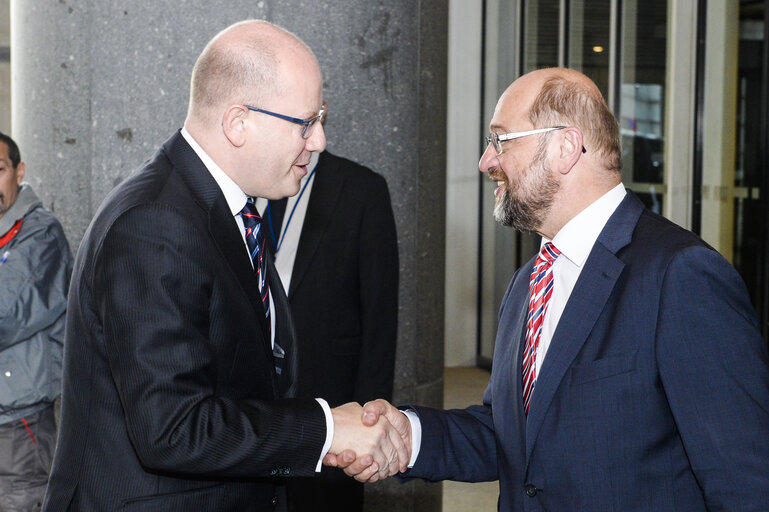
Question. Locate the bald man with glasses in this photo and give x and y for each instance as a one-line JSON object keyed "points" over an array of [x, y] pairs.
{"points": [[180, 357]]}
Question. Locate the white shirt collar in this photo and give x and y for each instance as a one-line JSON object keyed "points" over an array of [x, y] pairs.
{"points": [[576, 238], [236, 198]]}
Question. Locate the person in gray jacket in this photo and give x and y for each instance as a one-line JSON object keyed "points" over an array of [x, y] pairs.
{"points": [[35, 268]]}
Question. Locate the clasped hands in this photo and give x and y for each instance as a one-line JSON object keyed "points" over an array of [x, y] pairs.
{"points": [[371, 442]]}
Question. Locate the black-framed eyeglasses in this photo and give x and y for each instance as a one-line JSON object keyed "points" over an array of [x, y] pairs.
{"points": [[496, 139], [307, 124]]}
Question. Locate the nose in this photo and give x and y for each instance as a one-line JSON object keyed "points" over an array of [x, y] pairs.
{"points": [[316, 142], [489, 160]]}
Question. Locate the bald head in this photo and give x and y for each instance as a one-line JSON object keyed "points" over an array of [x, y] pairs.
{"points": [[242, 65], [564, 97]]}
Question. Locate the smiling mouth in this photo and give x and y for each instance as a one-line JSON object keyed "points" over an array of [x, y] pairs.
{"points": [[500, 181]]}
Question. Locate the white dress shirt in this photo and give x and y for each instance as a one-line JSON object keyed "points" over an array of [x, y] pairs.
{"points": [[236, 200], [575, 240]]}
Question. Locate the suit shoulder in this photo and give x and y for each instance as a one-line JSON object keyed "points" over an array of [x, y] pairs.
{"points": [[155, 183], [664, 235], [351, 170], [144, 184], [658, 243]]}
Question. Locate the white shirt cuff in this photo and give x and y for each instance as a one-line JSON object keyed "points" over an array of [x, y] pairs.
{"points": [[416, 435], [329, 432]]}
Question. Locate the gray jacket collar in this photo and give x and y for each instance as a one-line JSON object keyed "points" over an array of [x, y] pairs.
{"points": [[26, 201]]}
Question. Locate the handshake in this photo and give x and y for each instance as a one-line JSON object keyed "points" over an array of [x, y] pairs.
{"points": [[371, 442]]}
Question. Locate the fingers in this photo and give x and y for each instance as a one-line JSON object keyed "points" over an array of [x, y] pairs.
{"points": [[403, 451], [341, 460], [369, 474], [350, 434], [385, 444], [363, 469], [372, 411], [330, 460]]}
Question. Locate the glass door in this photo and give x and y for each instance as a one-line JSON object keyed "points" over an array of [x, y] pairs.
{"points": [[750, 241]]}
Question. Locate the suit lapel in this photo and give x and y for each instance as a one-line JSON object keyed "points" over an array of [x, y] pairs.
{"points": [[323, 198], [517, 335], [285, 333], [587, 301], [221, 224]]}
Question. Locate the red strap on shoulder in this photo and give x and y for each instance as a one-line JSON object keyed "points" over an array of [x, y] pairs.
{"points": [[10, 234]]}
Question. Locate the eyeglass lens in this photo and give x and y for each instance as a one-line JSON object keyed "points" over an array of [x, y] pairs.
{"points": [[307, 129]]}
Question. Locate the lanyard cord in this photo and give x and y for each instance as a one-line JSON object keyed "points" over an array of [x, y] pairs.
{"points": [[6, 238], [279, 242]]}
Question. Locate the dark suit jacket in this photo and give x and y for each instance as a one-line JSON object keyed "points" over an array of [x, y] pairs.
{"points": [[344, 285], [170, 399], [654, 395]]}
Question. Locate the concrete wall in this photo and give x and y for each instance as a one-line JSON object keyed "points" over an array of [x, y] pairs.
{"points": [[5, 67]]}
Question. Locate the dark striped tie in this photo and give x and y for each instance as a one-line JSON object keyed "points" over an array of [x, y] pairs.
{"points": [[255, 240]]}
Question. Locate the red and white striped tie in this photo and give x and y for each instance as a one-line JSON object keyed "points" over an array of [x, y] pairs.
{"points": [[540, 290]]}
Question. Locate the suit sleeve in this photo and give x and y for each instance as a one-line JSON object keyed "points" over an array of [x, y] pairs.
{"points": [[715, 371], [457, 444], [153, 290], [461, 445], [378, 276]]}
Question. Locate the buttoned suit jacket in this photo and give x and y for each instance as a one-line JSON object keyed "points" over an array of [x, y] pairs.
{"points": [[654, 394], [170, 398]]}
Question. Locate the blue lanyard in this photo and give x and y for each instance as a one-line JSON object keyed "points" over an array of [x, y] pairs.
{"points": [[279, 242]]}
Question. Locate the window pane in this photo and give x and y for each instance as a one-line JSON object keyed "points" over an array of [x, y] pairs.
{"points": [[642, 95], [589, 34], [541, 36], [748, 216]]}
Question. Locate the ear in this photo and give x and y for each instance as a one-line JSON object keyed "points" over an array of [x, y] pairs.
{"points": [[234, 124], [21, 170], [570, 149]]}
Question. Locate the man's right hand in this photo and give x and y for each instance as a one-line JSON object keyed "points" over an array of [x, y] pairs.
{"points": [[383, 449], [366, 469]]}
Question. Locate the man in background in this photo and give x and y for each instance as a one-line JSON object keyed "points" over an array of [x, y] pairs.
{"points": [[35, 267], [337, 256]]}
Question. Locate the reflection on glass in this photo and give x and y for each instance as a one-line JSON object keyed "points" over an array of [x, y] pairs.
{"points": [[541, 35], [589, 34], [642, 97]]}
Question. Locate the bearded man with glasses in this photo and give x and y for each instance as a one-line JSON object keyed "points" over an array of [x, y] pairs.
{"points": [[629, 372]]}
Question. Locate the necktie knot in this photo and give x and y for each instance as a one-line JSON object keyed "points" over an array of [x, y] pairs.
{"points": [[547, 255], [250, 216]]}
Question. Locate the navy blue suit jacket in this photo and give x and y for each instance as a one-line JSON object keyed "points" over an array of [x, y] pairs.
{"points": [[654, 394]]}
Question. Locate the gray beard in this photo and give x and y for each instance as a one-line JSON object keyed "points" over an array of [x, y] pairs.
{"points": [[527, 214]]}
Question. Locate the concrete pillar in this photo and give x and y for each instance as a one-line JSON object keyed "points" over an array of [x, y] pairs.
{"points": [[5, 67], [98, 85]]}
